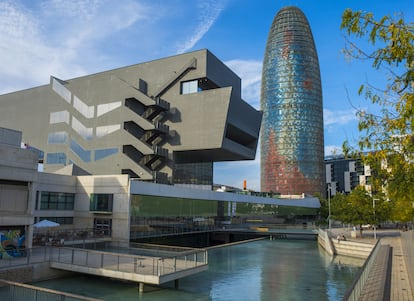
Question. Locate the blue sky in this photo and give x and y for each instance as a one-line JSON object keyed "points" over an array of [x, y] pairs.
{"points": [[73, 38]]}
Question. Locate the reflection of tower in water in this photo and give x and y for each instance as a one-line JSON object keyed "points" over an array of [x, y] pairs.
{"points": [[291, 100]]}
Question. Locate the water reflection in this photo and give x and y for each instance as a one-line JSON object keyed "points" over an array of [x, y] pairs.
{"points": [[261, 270]]}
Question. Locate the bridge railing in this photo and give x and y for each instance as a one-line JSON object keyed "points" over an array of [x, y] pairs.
{"points": [[181, 262], [128, 263], [23, 257], [22, 292]]}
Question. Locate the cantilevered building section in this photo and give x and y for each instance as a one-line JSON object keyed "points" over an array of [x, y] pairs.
{"points": [[292, 128], [164, 121]]}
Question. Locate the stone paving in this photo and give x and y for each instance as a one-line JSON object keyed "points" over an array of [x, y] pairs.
{"points": [[400, 285], [400, 289]]}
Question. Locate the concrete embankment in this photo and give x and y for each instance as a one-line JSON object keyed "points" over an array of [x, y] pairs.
{"points": [[350, 248]]}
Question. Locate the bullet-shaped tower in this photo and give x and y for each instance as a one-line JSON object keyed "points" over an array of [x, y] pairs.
{"points": [[292, 148]]}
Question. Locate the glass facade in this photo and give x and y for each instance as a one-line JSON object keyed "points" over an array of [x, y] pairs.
{"points": [[101, 202], [193, 173], [56, 201], [292, 150], [159, 214]]}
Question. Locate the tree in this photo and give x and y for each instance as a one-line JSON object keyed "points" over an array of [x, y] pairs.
{"points": [[388, 135], [359, 208]]}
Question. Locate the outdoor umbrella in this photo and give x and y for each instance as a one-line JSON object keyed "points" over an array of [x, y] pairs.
{"points": [[45, 224]]}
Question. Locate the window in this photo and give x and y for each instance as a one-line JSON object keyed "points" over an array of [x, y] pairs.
{"points": [[197, 85], [57, 138], [83, 131], [103, 153], [58, 117], [85, 155], [83, 108], [107, 107], [64, 220], [56, 200], [56, 158], [61, 90], [101, 202], [189, 87], [106, 130], [102, 226]]}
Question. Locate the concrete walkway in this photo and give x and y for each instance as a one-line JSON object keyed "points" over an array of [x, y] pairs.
{"points": [[399, 286]]}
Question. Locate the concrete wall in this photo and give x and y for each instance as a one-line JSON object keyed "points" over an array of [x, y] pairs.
{"points": [[118, 185], [352, 248], [344, 247], [18, 172]]}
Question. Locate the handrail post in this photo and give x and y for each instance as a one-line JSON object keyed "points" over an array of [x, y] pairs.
{"points": [[28, 255]]}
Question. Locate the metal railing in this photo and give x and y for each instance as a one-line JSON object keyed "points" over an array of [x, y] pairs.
{"points": [[27, 256], [42, 237], [407, 243], [129, 263], [354, 292], [14, 291]]}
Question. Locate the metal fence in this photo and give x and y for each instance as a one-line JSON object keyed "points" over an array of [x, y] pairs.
{"points": [[407, 242], [129, 263], [52, 237], [13, 291], [355, 290], [26, 256]]}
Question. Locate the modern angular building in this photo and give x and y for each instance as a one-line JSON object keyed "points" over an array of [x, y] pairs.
{"points": [[292, 149], [345, 174], [115, 205], [164, 121]]}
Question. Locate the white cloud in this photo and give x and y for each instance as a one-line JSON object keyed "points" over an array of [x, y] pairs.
{"points": [[56, 37], [250, 71], [209, 11], [339, 117]]}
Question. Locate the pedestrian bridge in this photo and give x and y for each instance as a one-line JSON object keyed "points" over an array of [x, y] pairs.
{"points": [[137, 268]]}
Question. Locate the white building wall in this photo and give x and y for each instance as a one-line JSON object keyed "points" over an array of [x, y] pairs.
{"points": [[118, 185]]}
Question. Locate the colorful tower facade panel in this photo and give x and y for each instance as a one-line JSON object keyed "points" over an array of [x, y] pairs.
{"points": [[292, 126]]}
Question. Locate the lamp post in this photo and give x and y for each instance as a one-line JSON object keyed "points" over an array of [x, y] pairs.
{"points": [[375, 220], [329, 205]]}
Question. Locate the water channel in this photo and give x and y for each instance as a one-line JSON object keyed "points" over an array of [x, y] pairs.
{"points": [[261, 270]]}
